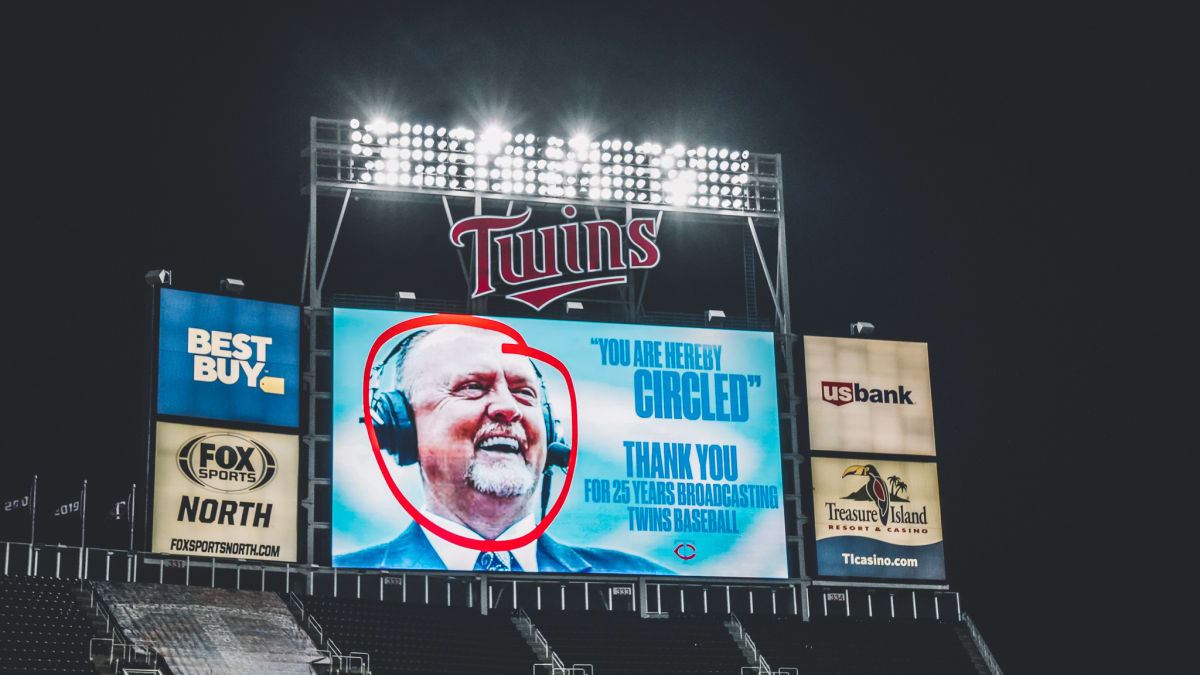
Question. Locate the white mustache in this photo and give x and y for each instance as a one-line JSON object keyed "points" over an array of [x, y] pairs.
{"points": [[495, 429]]}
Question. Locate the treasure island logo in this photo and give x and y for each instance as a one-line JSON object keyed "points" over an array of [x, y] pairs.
{"points": [[887, 498], [585, 252]]}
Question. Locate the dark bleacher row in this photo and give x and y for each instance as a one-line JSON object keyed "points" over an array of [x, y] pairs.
{"points": [[42, 630], [403, 639], [620, 642], [854, 647]]}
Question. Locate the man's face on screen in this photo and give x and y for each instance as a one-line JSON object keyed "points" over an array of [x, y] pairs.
{"points": [[478, 416]]}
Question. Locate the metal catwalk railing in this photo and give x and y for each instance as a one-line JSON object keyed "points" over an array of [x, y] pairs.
{"points": [[652, 595], [977, 638]]}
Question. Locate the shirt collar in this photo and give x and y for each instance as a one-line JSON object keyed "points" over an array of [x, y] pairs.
{"points": [[457, 557]]}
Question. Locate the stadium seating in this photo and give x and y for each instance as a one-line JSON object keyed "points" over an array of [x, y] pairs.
{"points": [[422, 640], [42, 629], [859, 647], [211, 630], [619, 642]]}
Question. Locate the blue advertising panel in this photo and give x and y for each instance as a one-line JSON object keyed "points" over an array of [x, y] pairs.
{"points": [[554, 446], [226, 358]]}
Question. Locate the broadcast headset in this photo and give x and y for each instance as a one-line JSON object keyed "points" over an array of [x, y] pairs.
{"points": [[392, 417]]}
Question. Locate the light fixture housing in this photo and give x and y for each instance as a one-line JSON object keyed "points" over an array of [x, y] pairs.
{"points": [[232, 286], [157, 278]]}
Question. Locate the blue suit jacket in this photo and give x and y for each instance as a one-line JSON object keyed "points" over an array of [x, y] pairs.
{"points": [[412, 550]]}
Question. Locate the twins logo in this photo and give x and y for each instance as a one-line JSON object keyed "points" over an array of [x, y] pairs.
{"points": [[588, 252]]}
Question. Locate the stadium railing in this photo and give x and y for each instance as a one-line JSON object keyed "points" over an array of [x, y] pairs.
{"points": [[139, 655], [977, 637], [354, 662]]}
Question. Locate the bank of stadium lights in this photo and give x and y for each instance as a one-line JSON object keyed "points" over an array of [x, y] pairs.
{"points": [[415, 154]]}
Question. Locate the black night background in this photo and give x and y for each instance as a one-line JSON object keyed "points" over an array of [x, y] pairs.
{"points": [[940, 166]]}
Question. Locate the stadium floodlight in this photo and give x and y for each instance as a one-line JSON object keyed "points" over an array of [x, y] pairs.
{"points": [[677, 177], [405, 299], [714, 318], [156, 278], [232, 286], [861, 329]]}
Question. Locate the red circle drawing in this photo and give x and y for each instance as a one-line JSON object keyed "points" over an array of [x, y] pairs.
{"points": [[521, 348]]}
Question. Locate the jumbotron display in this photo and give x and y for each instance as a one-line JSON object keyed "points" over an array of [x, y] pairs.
{"points": [[470, 443]]}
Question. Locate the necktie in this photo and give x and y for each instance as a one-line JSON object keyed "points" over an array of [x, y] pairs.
{"points": [[493, 562]]}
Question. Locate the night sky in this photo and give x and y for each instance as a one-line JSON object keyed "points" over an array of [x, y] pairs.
{"points": [[940, 169]]}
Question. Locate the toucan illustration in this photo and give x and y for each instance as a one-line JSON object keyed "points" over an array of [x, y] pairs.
{"points": [[875, 488]]}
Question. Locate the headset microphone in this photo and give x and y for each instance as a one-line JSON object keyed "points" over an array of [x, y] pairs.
{"points": [[392, 418]]}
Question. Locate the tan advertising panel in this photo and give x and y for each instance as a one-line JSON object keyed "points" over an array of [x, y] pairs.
{"points": [[868, 396], [225, 493], [877, 518]]}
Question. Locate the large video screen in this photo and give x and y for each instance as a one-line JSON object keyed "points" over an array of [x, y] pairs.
{"points": [[228, 359], [877, 518], [530, 445], [868, 396]]}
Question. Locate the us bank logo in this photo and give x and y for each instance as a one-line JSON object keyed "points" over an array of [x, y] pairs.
{"points": [[228, 359], [841, 393]]}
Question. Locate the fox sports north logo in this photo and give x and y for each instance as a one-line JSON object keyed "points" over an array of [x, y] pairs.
{"points": [[226, 462]]}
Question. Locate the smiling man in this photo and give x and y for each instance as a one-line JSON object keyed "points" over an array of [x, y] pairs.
{"points": [[480, 421]]}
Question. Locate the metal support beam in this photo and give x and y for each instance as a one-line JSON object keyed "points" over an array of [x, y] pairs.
{"points": [[314, 298], [766, 270], [333, 244]]}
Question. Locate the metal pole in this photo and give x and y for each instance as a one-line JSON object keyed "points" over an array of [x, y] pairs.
{"points": [[33, 514], [132, 496], [82, 519], [151, 403], [314, 297]]}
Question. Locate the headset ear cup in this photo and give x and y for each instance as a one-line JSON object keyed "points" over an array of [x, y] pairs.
{"points": [[392, 418]]}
